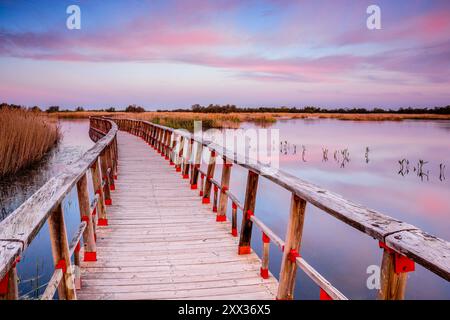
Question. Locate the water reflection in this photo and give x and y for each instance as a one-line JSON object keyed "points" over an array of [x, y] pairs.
{"points": [[363, 162]]}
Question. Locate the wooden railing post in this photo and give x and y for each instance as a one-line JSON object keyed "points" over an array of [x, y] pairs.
{"points": [[90, 250], [188, 158], [196, 166], [291, 249], [167, 148], [172, 141], [209, 176], [9, 285], [97, 182], [224, 186], [110, 164], [392, 278], [234, 220], [265, 257], [61, 254], [105, 177], [179, 159], [249, 208]]}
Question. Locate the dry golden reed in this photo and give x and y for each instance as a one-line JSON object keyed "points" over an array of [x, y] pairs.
{"points": [[25, 137]]}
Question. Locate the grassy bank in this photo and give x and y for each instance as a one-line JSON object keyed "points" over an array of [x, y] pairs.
{"points": [[180, 119], [25, 137], [233, 120]]}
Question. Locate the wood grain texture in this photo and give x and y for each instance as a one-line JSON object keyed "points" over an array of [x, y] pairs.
{"points": [[162, 243]]}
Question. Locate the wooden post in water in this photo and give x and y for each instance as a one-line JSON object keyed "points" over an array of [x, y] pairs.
{"points": [[61, 254], [90, 250], [392, 281], [209, 176], [249, 209], [291, 249], [224, 187]]}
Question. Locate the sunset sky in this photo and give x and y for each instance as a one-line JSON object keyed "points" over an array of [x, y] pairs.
{"points": [[167, 54]]}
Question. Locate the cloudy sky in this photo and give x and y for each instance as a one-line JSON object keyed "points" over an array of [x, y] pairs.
{"points": [[166, 54]]}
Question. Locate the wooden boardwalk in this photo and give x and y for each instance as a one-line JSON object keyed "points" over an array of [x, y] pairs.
{"points": [[161, 242]]}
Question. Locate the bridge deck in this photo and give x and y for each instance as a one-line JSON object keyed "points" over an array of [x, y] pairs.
{"points": [[162, 243]]}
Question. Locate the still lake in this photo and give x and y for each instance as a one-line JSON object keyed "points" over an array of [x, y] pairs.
{"points": [[359, 160]]}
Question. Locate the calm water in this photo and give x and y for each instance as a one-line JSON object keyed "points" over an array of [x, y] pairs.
{"points": [[371, 178], [336, 250]]}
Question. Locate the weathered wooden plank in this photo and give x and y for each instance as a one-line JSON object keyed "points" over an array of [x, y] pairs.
{"points": [[174, 243], [429, 251]]}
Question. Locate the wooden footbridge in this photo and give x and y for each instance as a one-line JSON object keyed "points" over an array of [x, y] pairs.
{"points": [[156, 227]]}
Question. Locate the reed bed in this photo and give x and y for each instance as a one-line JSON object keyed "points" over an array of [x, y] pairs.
{"points": [[25, 137]]}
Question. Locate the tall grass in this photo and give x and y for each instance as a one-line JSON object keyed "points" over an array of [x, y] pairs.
{"points": [[25, 137]]}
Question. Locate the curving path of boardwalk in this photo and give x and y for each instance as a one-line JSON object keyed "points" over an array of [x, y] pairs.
{"points": [[162, 243]]}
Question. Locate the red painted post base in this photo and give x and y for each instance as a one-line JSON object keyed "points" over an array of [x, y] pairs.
{"points": [[244, 250], [201, 193], [112, 187], [234, 232], [193, 187], [4, 284], [115, 177], [214, 209], [205, 200], [171, 163], [90, 256], [166, 157], [178, 169], [108, 202], [324, 295], [185, 176], [102, 222], [221, 218], [264, 273]]}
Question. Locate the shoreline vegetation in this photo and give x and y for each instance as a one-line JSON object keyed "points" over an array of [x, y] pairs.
{"points": [[25, 138], [231, 116]]}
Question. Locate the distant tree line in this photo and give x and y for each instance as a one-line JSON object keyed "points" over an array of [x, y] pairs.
{"points": [[53, 109], [231, 108]]}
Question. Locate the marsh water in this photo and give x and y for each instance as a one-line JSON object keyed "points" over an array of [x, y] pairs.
{"points": [[401, 169]]}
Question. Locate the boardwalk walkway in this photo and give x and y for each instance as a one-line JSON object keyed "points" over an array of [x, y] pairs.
{"points": [[162, 243]]}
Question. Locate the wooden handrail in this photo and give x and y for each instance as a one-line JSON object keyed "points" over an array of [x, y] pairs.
{"points": [[19, 229], [397, 237]]}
